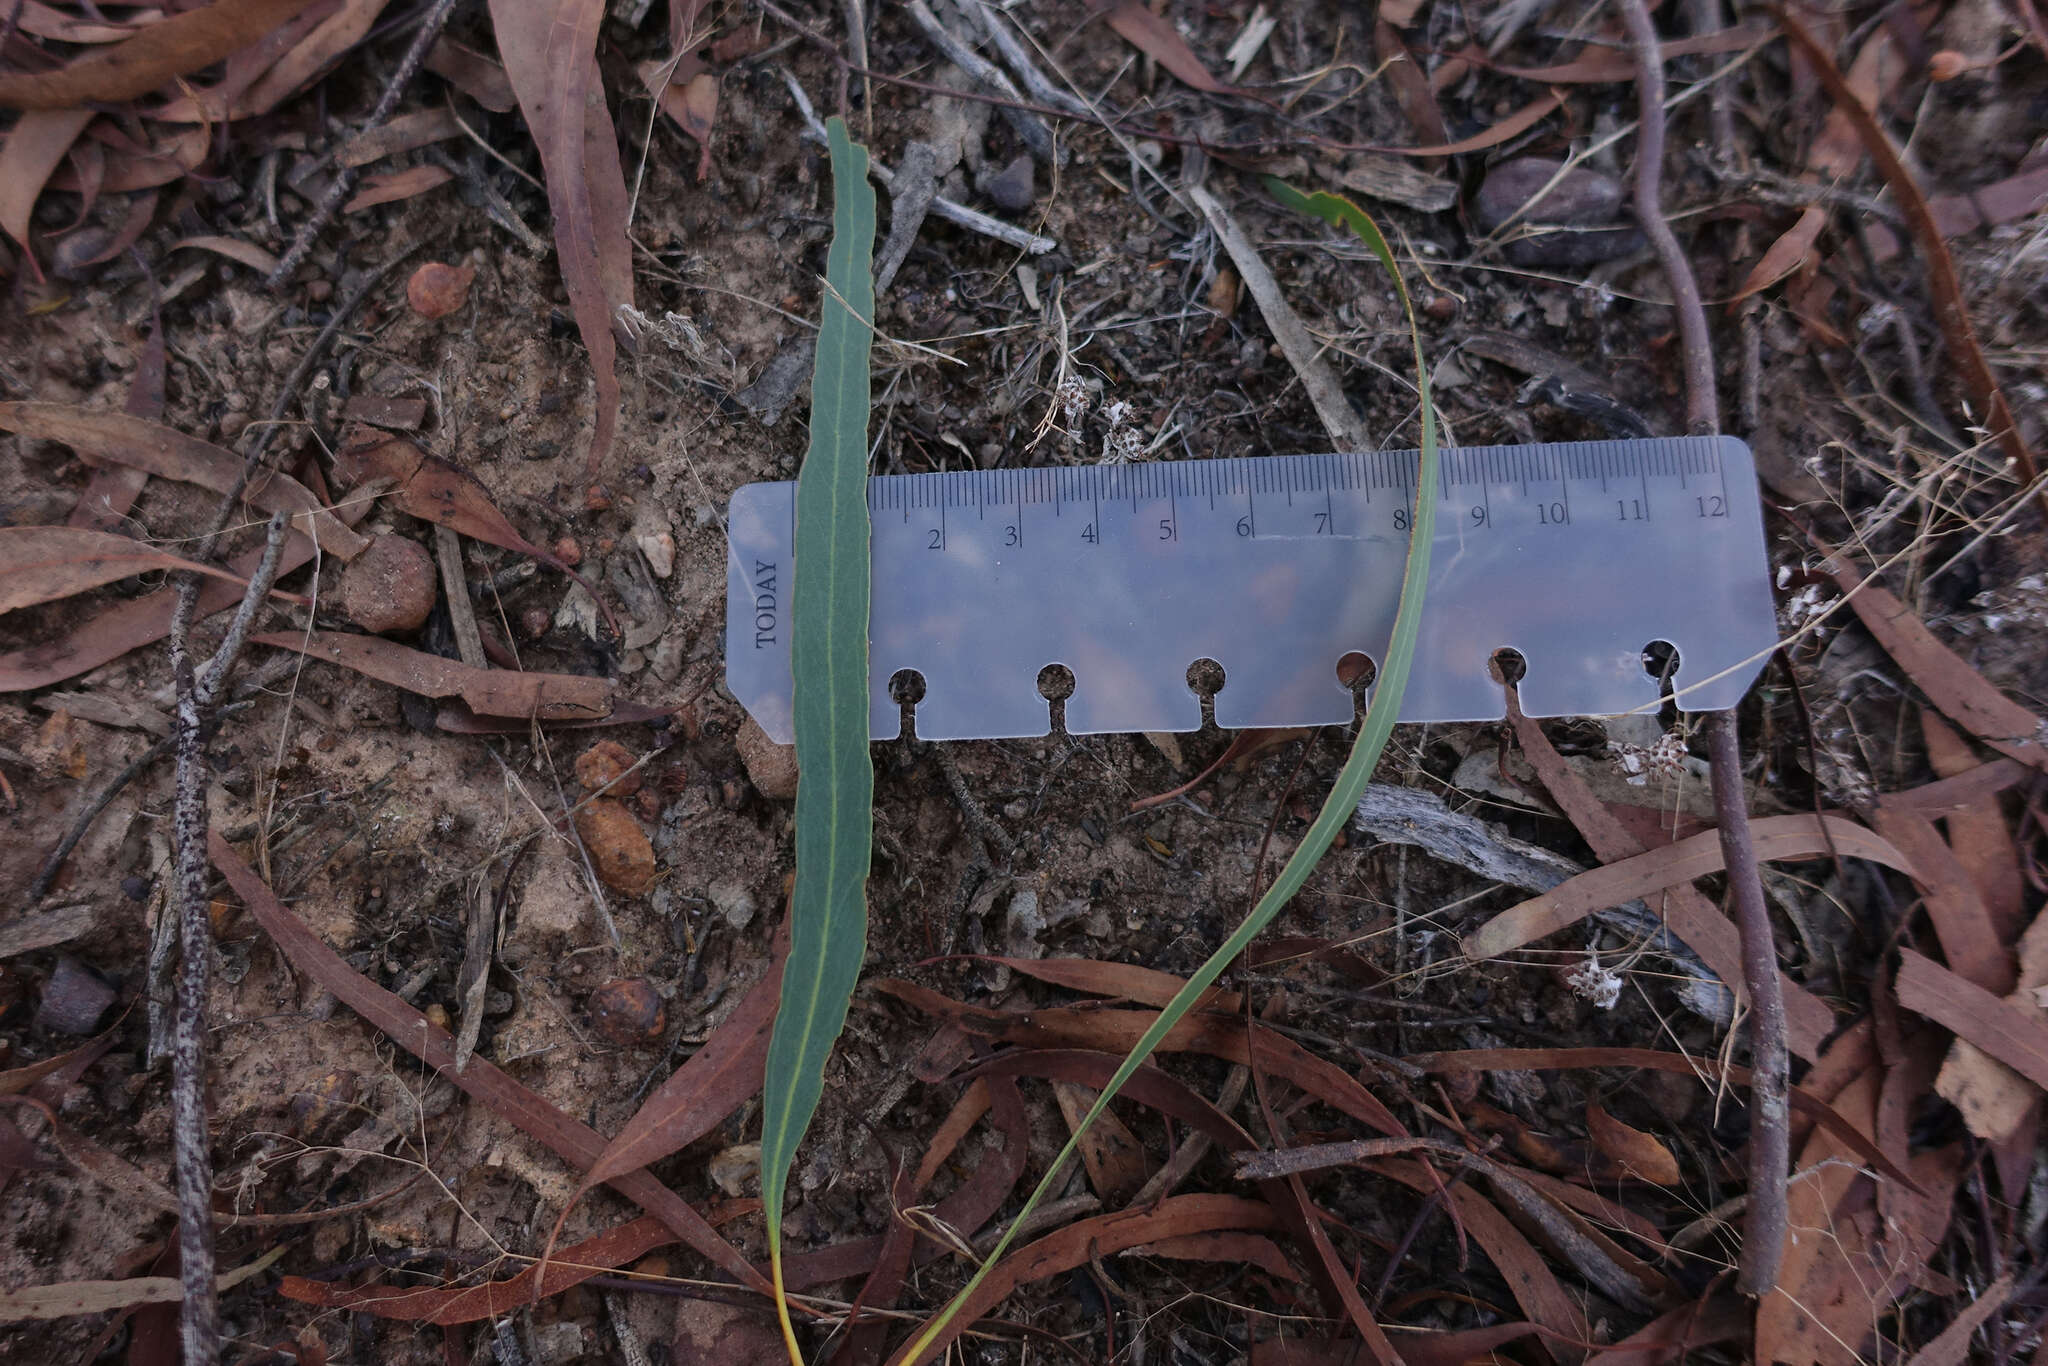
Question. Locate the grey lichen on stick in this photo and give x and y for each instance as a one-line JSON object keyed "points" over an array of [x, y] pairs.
{"points": [[1406, 815]]}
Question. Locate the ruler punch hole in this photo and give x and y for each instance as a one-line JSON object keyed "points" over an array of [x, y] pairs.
{"points": [[906, 690], [1205, 678], [1661, 663], [1356, 673], [1056, 685]]}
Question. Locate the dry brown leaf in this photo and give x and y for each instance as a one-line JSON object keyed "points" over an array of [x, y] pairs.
{"points": [[1962, 694], [172, 47], [1783, 256], [170, 454], [44, 563], [688, 94], [550, 53], [31, 151], [46, 22], [474, 74], [577, 1143], [1102, 1236], [570, 1266], [488, 692], [1672, 865], [401, 134], [1641, 1155], [2013, 1033], [1110, 1153], [234, 248], [1980, 835], [392, 186], [1156, 38], [1960, 920]]}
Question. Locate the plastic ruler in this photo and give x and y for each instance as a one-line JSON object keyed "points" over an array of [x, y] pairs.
{"points": [[1576, 555]]}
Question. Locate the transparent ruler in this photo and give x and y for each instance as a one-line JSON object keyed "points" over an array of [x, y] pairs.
{"points": [[1578, 556]]}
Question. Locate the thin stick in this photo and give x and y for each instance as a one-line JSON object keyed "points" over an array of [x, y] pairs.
{"points": [[1701, 408], [1770, 1138], [1770, 1135], [431, 25], [199, 1311]]}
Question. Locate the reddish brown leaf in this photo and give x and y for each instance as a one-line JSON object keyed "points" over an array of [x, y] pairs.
{"points": [[457, 719], [1243, 746], [1776, 837], [171, 47], [1783, 256], [1156, 38], [1674, 1335], [18, 1079], [1550, 1059], [170, 454], [491, 692], [1110, 1153], [719, 1077], [112, 490], [405, 133], [234, 248], [392, 186], [1952, 1346], [43, 563], [1248, 1249], [2011, 1033], [262, 75], [433, 490], [45, 22], [1962, 694], [474, 74], [1944, 287], [31, 150], [688, 94], [1514, 125], [1115, 1031], [1528, 1276], [1410, 83], [1968, 938], [430, 1304], [1641, 1155], [576, 1143], [550, 53], [1692, 917], [131, 625], [1978, 833], [1104, 1235]]}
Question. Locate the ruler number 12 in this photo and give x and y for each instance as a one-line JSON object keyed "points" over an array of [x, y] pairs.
{"points": [[1712, 505]]}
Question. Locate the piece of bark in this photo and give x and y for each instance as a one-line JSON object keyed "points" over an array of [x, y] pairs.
{"points": [[1992, 1098]]}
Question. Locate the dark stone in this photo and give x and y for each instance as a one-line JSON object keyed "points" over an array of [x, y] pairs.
{"points": [[75, 999], [1014, 187], [1578, 209]]}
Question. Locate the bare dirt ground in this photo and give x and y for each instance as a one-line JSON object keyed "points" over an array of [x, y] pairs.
{"points": [[384, 832]]}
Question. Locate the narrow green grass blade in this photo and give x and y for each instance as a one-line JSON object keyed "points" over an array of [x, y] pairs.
{"points": [[829, 643], [1337, 807]]}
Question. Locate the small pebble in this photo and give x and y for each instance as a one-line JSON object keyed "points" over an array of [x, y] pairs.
{"points": [[660, 550], [534, 621], [317, 1112], [628, 1012], [391, 586], [75, 999], [436, 290], [1012, 189], [568, 552], [618, 847], [733, 901], [771, 767], [1581, 199], [601, 764], [135, 888]]}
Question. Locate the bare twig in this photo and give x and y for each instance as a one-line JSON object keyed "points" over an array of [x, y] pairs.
{"points": [[199, 1311], [1770, 1139], [1324, 391], [1770, 1134], [1701, 407], [344, 183], [1030, 128], [959, 214], [469, 641]]}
